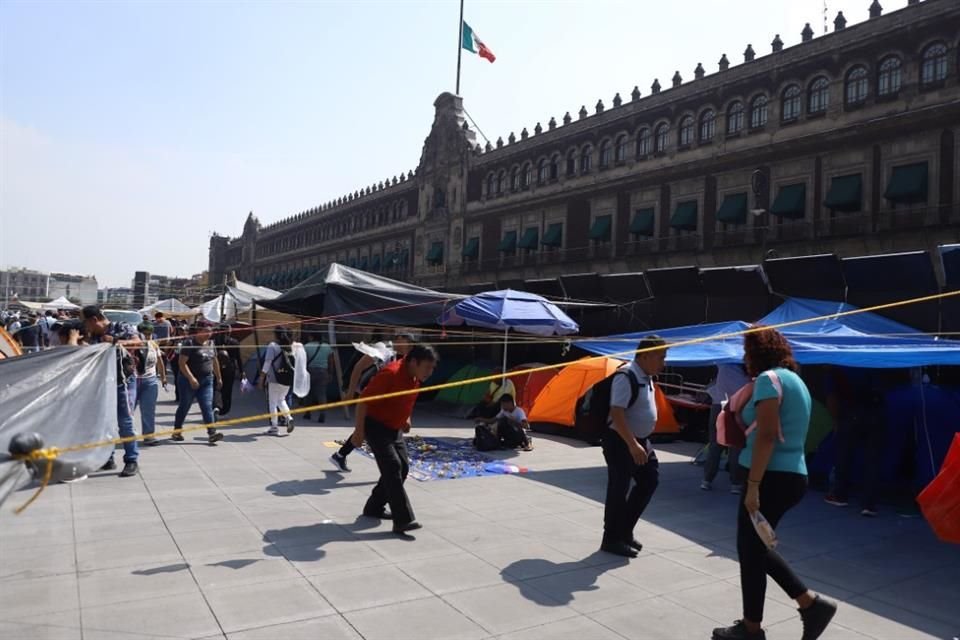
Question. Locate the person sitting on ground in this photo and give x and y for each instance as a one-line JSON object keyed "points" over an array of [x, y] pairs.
{"points": [[490, 405], [511, 425]]}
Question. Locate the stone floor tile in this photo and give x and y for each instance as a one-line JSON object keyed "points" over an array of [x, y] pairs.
{"points": [[427, 619], [367, 588], [499, 610], [264, 604]]}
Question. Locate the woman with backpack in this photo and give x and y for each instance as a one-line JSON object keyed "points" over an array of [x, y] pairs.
{"points": [[773, 463], [276, 376]]}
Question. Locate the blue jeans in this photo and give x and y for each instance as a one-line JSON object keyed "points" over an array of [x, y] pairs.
{"points": [[126, 400], [147, 393], [203, 394]]}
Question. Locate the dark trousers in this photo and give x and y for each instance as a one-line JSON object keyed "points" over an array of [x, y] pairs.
{"points": [[390, 452], [347, 447], [318, 391], [511, 434], [223, 398], [625, 504], [715, 451], [867, 431], [779, 492]]}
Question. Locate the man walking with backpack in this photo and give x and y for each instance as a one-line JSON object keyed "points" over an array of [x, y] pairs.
{"points": [[627, 449], [276, 376]]}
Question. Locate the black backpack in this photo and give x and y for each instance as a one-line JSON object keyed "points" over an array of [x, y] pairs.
{"points": [[484, 439], [601, 393], [283, 368]]}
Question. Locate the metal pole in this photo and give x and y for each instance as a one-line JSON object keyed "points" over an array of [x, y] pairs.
{"points": [[459, 46], [338, 368]]}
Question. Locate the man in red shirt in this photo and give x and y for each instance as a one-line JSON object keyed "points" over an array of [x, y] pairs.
{"points": [[382, 423]]}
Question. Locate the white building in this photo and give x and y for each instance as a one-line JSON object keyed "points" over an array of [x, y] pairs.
{"points": [[74, 287]]}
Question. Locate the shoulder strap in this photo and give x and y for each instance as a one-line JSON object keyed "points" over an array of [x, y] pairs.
{"points": [[777, 384], [634, 384]]}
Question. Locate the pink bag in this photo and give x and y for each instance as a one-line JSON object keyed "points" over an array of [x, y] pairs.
{"points": [[731, 430]]}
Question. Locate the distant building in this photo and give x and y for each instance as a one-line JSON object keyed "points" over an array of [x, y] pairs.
{"points": [[149, 288], [116, 298], [844, 143], [78, 288], [25, 284]]}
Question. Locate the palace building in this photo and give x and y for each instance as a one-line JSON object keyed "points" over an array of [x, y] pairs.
{"points": [[844, 143]]}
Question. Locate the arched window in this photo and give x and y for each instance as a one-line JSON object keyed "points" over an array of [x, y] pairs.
{"points": [[818, 96], [555, 166], [501, 181], [606, 154], [685, 134], [708, 125], [933, 68], [758, 112], [572, 163], [856, 86], [734, 118], [515, 179], [643, 143], [543, 171], [890, 76], [527, 175], [790, 103], [586, 159], [660, 138], [489, 184], [620, 154]]}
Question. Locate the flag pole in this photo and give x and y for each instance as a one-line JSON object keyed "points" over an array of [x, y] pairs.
{"points": [[459, 46]]}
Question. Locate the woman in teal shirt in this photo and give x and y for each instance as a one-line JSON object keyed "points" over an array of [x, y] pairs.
{"points": [[773, 463]]}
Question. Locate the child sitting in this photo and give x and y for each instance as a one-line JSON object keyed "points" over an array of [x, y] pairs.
{"points": [[511, 425]]}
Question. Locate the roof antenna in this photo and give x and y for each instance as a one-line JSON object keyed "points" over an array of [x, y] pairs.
{"points": [[824, 17]]}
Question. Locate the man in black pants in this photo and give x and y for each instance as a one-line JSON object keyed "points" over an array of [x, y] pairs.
{"points": [[383, 423], [627, 449], [228, 356]]}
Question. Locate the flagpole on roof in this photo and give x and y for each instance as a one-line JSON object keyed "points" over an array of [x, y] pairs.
{"points": [[459, 46]]}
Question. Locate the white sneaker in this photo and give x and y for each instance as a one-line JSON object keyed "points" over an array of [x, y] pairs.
{"points": [[273, 431], [706, 485]]}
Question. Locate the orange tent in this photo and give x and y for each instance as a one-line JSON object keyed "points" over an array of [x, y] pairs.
{"points": [[557, 403], [8, 346], [530, 385]]}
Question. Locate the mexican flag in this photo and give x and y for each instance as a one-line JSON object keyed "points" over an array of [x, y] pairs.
{"points": [[473, 44]]}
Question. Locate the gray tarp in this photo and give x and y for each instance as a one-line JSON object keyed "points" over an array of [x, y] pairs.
{"points": [[68, 396]]}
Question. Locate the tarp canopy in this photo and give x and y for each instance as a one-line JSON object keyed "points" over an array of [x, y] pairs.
{"points": [[171, 306], [237, 300], [864, 340], [66, 395], [358, 296], [467, 394], [509, 309], [60, 303]]}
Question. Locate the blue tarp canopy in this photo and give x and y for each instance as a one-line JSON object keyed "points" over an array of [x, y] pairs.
{"points": [[864, 340]]}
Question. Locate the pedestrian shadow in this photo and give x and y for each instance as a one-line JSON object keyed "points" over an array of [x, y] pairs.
{"points": [[305, 543], [313, 486], [566, 578], [169, 568]]}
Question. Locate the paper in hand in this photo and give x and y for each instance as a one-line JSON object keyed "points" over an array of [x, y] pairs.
{"points": [[764, 530]]}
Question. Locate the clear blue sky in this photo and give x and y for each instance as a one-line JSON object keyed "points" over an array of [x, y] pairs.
{"points": [[129, 131]]}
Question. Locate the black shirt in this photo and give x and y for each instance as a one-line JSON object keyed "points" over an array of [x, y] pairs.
{"points": [[199, 357], [228, 354]]}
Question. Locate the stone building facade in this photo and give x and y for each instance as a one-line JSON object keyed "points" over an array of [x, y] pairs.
{"points": [[844, 143]]}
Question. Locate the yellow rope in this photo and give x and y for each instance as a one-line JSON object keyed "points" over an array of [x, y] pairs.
{"points": [[50, 454]]}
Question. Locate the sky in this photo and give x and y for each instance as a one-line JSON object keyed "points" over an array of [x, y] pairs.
{"points": [[131, 131]]}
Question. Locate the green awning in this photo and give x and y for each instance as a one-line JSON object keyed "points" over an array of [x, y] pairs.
{"points": [[375, 263], [472, 248], [554, 235], [685, 216], [509, 242], [644, 222], [845, 193], [601, 228], [364, 263], [530, 239], [908, 184], [733, 210], [791, 201], [435, 255]]}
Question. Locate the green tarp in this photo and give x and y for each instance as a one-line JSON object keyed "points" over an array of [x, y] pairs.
{"points": [[908, 184], [685, 216], [509, 242], [469, 394], [845, 194], [554, 235], [530, 239], [734, 209], [791, 201], [643, 223], [601, 228]]}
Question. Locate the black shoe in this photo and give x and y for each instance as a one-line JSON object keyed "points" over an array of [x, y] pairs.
{"points": [[737, 632], [633, 543], [402, 529], [340, 461], [130, 469], [816, 617], [383, 515], [109, 465], [321, 418], [177, 437], [618, 549], [150, 442], [290, 426], [213, 437]]}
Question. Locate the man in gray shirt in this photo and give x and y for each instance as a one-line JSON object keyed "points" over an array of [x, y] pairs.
{"points": [[627, 449]]}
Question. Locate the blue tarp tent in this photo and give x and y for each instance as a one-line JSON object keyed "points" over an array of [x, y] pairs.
{"points": [[864, 340]]}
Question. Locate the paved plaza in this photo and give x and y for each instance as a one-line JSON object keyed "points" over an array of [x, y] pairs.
{"points": [[259, 538]]}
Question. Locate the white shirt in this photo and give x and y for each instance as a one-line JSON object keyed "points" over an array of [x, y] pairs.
{"points": [[642, 416], [730, 378], [517, 415]]}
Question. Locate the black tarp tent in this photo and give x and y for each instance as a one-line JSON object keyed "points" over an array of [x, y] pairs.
{"points": [[344, 293]]}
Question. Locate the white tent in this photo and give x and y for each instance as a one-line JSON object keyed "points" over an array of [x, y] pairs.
{"points": [[60, 303], [238, 299], [169, 306]]}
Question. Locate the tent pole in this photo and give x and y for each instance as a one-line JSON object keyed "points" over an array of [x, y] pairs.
{"points": [[332, 337], [506, 334]]}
